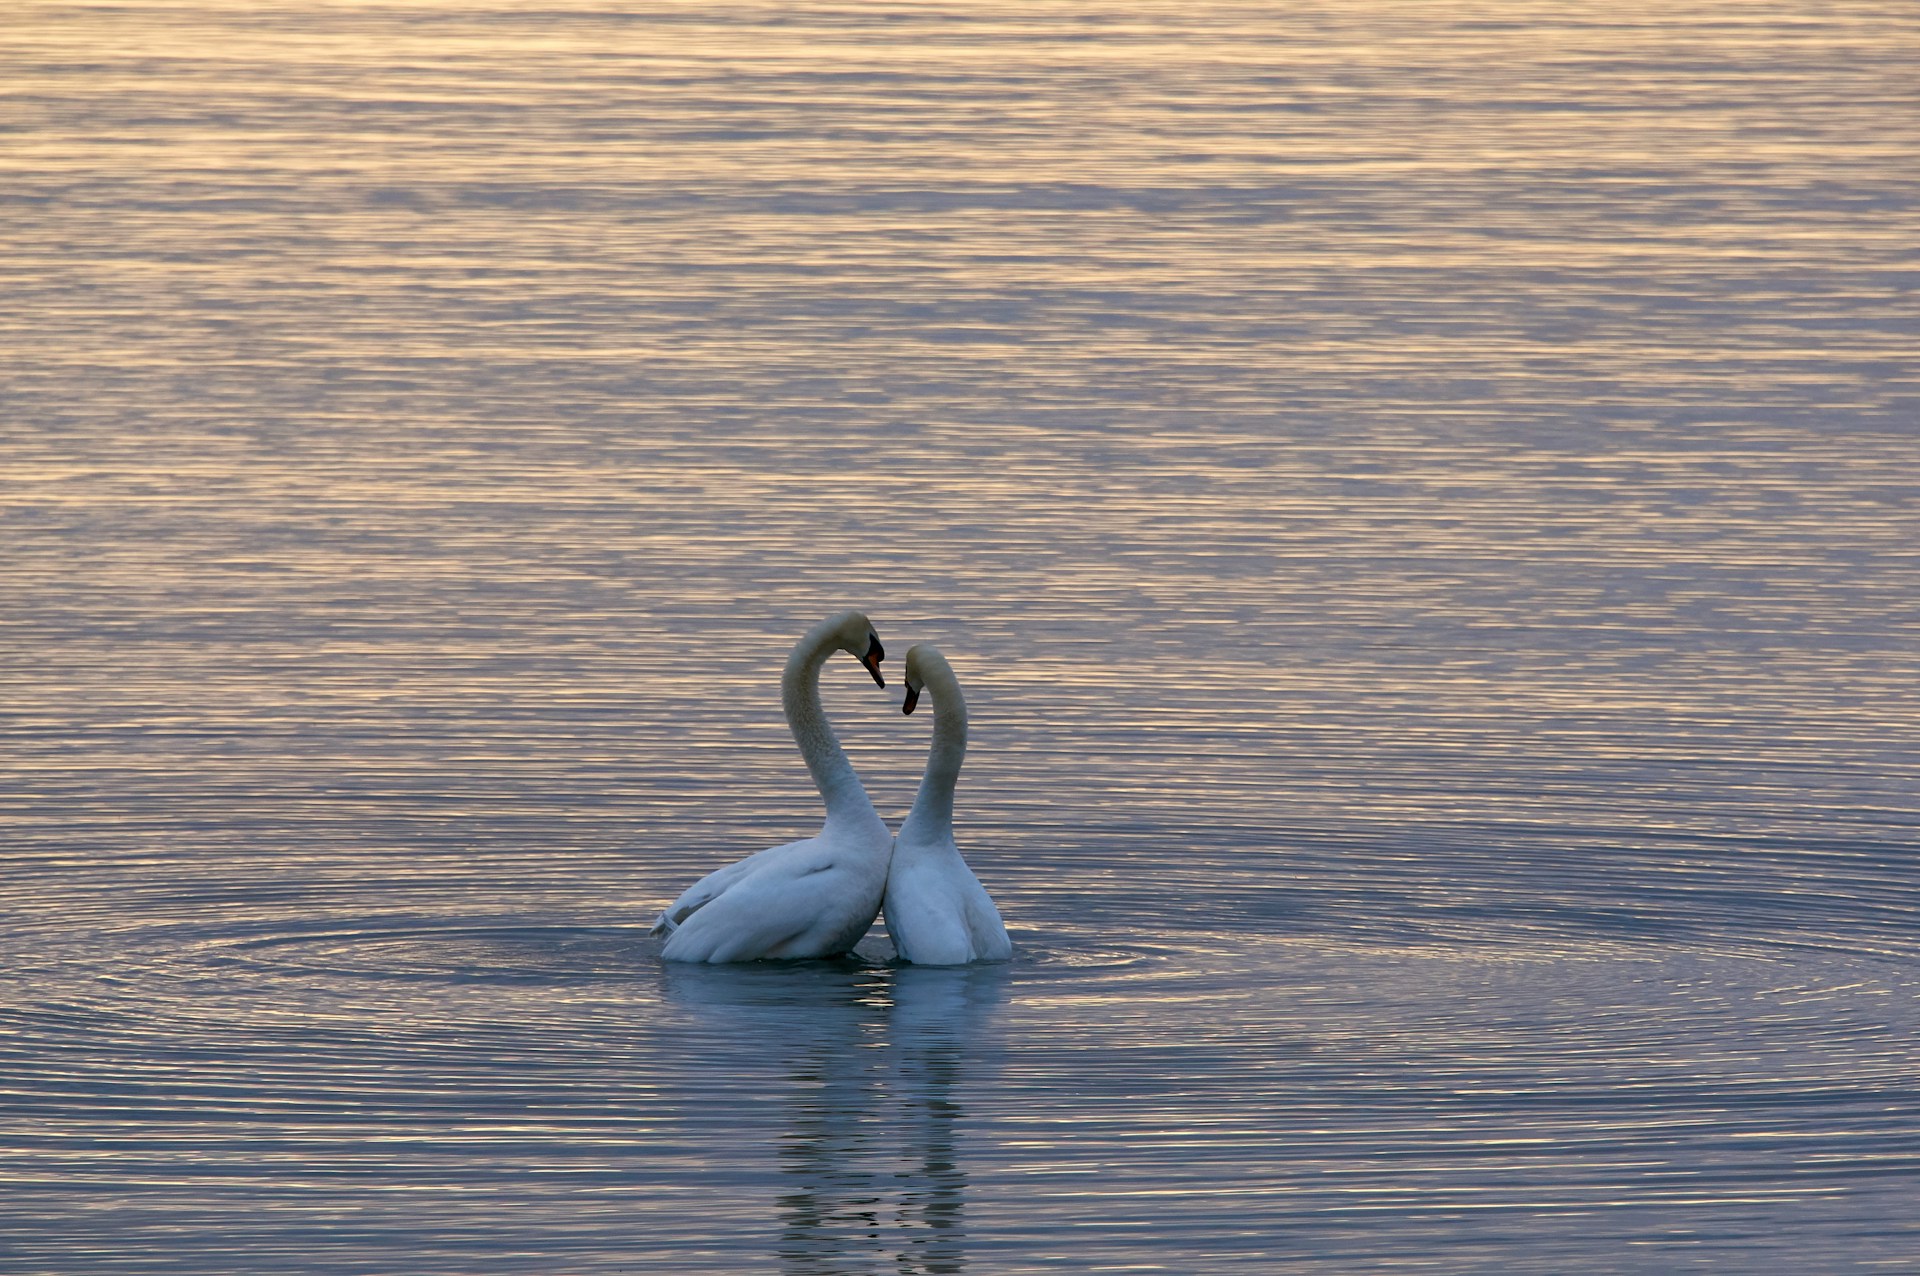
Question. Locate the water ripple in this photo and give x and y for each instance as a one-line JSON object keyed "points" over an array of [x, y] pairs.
{"points": [[1421, 498]]}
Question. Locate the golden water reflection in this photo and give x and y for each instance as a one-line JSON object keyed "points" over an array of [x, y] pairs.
{"points": [[1420, 495]]}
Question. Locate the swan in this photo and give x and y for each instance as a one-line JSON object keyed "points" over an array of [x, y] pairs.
{"points": [[938, 913], [812, 898]]}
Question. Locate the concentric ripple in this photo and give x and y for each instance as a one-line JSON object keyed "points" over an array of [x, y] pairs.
{"points": [[560, 955]]}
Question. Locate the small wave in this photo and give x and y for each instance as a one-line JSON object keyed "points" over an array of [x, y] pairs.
{"points": [[514, 953]]}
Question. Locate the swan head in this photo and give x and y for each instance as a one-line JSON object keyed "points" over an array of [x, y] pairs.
{"points": [[853, 634], [922, 660]]}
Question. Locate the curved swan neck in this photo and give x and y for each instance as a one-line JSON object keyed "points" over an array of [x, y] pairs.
{"points": [[934, 803], [833, 775]]}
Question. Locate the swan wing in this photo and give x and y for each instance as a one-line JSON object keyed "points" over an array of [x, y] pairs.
{"points": [[938, 912], [987, 932], [716, 884], [924, 910], [813, 904]]}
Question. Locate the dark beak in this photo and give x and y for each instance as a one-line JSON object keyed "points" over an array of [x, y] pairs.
{"points": [[913, 698], [875, 654]]}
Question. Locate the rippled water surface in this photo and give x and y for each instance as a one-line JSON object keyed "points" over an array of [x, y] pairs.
{"points": [[1421, 495]]}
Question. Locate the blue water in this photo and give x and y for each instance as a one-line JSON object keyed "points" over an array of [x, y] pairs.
{"points": [[1421, 497]]}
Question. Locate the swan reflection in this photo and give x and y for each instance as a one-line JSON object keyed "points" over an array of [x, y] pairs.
{"points": [[936, 1020], [869, 1061]]}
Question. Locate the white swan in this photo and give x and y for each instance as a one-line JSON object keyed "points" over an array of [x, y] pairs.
{"points": [[938, 913], [812, 898]]}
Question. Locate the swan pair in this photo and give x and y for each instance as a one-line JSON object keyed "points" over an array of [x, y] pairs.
{"points": [[817, 897]]}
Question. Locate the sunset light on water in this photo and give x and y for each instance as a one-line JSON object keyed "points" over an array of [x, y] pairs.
{"points": [[1421, 498]]}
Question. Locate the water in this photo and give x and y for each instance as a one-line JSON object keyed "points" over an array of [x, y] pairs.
{"points": [[1421, 497]]}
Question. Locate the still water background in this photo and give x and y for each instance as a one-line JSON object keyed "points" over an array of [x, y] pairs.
{"points": [[1421, 497]]}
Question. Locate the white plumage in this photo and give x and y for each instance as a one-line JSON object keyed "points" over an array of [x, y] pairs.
{"points": [[811, 898], [938, 913]]}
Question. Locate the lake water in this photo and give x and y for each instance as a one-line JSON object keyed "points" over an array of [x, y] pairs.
{"points": [[1422, 498]]}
